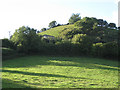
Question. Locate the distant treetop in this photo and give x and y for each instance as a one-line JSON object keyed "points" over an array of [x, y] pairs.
{"points": [[74, 18]]}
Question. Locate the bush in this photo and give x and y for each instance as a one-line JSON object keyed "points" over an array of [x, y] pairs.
{"points": [[97, 49], [85, 43], [110, 50], [63, 48], [106, 50], [8, 53], [76, 50], [7, 43]]}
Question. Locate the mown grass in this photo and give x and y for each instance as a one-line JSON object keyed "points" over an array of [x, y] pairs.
{"points": [[55, 31], [59, 72]]}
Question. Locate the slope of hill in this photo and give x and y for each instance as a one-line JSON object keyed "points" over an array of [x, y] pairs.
{"points": [[55, 31]]}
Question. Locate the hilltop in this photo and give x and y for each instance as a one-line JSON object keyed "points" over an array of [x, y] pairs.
{"points": [[56, 30]]}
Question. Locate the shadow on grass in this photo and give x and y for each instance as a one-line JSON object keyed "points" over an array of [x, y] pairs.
{"points": [[90, 63], [40, 74], [6, 84], [87, 65]]}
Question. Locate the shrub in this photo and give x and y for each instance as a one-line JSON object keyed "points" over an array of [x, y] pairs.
{"points": [[97, 49], [110, 50], [7, 43], [63, 48], [7, 53], [106, 50]]}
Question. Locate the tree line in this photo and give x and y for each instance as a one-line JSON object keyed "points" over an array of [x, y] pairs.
{"points": [[89, 37]]}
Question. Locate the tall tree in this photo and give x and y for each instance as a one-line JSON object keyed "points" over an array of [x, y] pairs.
{"points": [[26, 39], [74, 18], [52, 24]]}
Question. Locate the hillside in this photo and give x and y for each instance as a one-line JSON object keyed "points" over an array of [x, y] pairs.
{"points": [[55, 31]]}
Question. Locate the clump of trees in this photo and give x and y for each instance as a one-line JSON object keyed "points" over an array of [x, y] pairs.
{"points": [[26, 39], [93, 37]]}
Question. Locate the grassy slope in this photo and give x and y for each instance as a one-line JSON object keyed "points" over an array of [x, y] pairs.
{"points": [[59, 72], [55, 31]]}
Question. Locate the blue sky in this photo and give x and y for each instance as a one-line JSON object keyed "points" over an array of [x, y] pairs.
{"points": [[38, 13]]}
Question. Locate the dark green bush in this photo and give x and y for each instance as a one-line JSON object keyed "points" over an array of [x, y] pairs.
{"points": [[7, 43], [110, 50], [63, 48], [7, 51], [106, 50], [97, 49]]}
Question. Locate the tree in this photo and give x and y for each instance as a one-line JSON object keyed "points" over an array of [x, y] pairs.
{"points": [[102, 23], [105, 23], [112, 25], [84, 41], [52, 24], [78, 38], [74, 18], [43, 29], [26, 39], [87, 24], [7, 43], [68, 33]]}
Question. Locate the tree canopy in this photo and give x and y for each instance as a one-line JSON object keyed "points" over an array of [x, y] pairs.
{"points": [[74, 18], [43, 29], [26, 39], [52, 24]]}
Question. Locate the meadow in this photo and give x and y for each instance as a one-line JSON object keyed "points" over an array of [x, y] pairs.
{"points": [[59, 72]]}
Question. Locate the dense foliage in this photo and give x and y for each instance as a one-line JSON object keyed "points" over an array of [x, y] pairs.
{"points": [[6, 43], [26, 39], [94, 37]]}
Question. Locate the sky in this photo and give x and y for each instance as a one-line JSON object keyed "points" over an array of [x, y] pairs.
{"points": [[38, 14]]}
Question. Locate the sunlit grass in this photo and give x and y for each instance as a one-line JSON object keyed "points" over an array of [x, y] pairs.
{"points": [[59, 72], [55, 31]]}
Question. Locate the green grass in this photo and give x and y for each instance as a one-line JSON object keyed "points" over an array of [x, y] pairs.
{"points": [[55, 31], [59, 72]]}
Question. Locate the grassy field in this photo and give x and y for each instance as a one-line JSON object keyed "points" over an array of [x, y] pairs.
{"points": [[59, 72], [55, 31]]}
